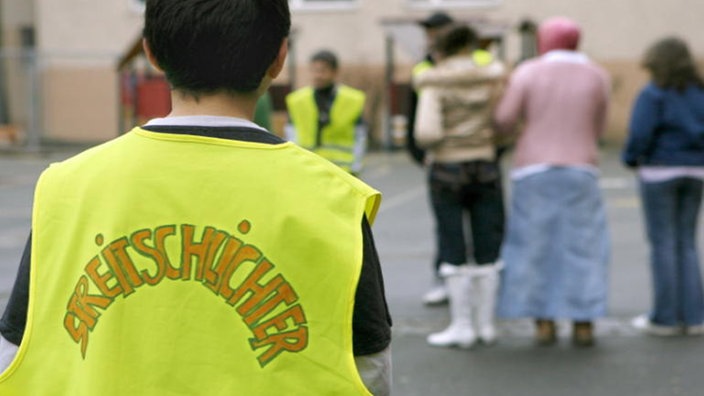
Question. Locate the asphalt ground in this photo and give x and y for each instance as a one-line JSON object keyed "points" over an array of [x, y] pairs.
{"points": [[623, 362]]}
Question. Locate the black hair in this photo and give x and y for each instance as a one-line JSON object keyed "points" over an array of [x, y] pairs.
{"points": [[327, 57], [454, 39], [671, 65], [209, 46]]}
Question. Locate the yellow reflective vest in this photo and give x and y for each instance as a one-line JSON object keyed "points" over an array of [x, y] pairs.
{"points": [[482, 57], [336, 141], [479, 56], [421, 66], [167, 264]]}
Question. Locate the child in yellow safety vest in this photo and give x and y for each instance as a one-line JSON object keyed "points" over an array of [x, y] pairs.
{"points": [[199, 254]]}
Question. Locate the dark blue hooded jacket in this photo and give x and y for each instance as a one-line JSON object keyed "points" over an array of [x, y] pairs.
{"points": [[666, 128]]}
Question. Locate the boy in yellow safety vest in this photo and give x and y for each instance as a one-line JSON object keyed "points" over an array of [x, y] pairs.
{"points": [[199, 254], [326, 117]]}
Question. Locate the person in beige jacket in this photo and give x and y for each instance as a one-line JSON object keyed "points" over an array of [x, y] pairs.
{"points": [[454, 125]]}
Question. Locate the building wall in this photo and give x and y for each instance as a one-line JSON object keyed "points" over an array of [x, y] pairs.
{"points": [[80, 103], [613, 31], [17, 15], [80, 41], [615, 36], [86, 27]]}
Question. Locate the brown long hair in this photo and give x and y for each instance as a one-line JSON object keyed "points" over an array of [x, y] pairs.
{"points": [[671, 65], [454, 38]]}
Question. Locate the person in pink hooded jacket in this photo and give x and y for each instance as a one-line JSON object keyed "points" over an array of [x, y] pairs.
{"points": [[556, 248]]}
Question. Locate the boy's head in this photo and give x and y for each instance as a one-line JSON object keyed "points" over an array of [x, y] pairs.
{"points": [[213, 46], [323, 66]]}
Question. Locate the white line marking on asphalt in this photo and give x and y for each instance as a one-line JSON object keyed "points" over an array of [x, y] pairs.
{"points": [[377, 172], [610, 326], [15, 213], [613, 183], [624, 203], [401, 199], [616, 183], [17, 180], [13, 237]]}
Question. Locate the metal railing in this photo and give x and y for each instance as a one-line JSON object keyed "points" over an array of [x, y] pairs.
{"points": [[20, 99]]}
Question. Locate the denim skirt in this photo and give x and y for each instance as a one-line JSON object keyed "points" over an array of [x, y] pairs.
{"points": [[556, 250]]}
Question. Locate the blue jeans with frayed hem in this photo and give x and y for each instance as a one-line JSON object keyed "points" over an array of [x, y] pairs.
{"points": [[671, 211]]}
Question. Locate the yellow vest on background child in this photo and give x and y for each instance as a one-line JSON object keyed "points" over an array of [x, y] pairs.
{"points": [[337, 138]]}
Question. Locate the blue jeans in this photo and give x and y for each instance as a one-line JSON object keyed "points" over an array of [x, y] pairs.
{"points": [[473, 188], [671, 211]]}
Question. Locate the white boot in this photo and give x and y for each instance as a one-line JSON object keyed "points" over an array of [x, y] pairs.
{"points": [[486, 280], [458, 281], [437, 295]]}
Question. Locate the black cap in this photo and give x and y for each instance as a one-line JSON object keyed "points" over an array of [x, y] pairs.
{"points": [[436, 20]]}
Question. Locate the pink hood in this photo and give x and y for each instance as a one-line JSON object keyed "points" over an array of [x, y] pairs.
{"points": [[558, 33]]}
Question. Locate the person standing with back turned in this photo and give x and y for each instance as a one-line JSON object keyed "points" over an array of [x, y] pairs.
{"points": [[432, 26], [200, 254], [454, 124], [666, 148], [556, 250]]}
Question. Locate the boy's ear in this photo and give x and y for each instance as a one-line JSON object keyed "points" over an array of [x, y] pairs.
{"points": [[278, 63], [150, 56]]}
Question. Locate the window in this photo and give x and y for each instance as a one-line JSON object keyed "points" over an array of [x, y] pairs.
{"points": [[323, 4], [136, 5], [452, 3]]}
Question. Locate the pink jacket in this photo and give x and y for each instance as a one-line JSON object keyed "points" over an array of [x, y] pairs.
{"points": [[561, 98]]}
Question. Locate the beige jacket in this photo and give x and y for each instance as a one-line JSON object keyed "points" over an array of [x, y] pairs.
{"points": [[455, 105]]}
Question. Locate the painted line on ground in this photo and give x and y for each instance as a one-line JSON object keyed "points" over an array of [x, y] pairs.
{"points": [[616, 183], [402, 198], [15, 237], [611, 326]]}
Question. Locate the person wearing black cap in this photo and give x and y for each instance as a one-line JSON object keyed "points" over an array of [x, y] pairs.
{"points": [[436, 20], [432, 25]]}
